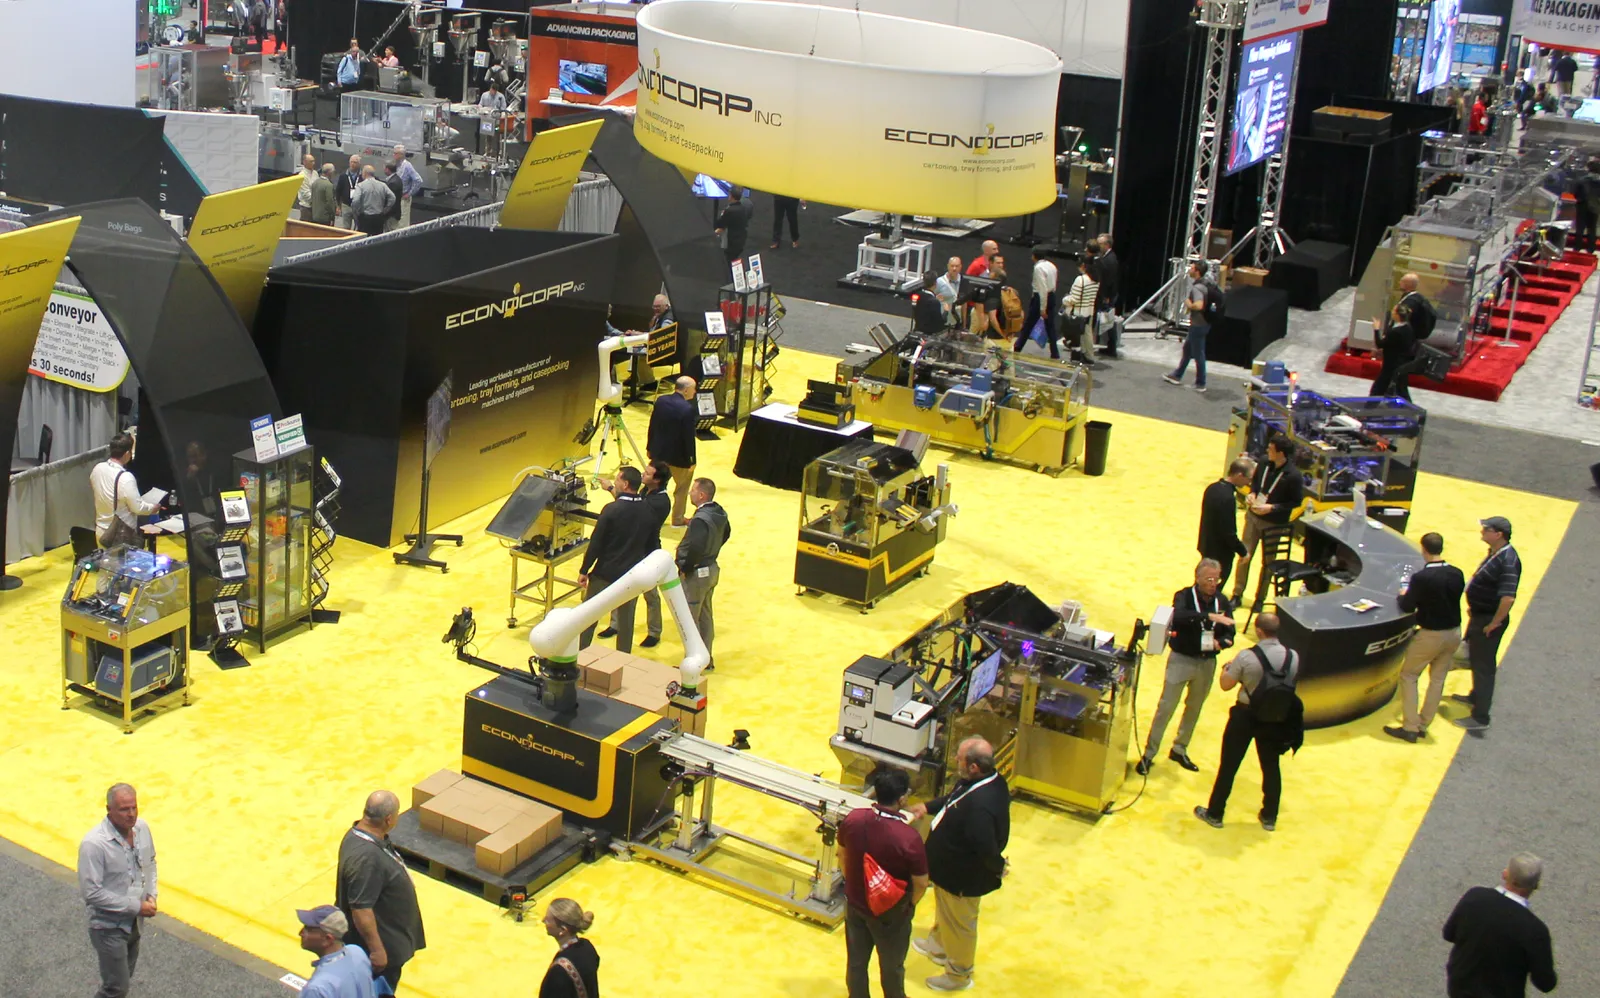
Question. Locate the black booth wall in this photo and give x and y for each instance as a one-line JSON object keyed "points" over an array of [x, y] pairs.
{"points": [[359, 340], [1348, 56]]}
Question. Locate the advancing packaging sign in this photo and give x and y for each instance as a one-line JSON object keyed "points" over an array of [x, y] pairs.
{"points": [[961, 123], [1269, 18], [1261, 105], [1565, 24], [77, 346]]}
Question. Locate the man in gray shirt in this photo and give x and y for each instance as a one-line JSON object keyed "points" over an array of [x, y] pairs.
{"points": [[1267, 714], [370, 202], [117, 876]]}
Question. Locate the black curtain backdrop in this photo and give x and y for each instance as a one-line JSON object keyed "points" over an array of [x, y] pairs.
{"points": [[1089, 103], [62, 153], [1349, 56], [1164, 51], [200, 377]]}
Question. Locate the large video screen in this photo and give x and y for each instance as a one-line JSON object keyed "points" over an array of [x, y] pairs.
{"points": [[1261, 103], [1440, 47]]}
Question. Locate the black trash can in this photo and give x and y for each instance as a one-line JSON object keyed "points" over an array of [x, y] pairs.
{"points": [[1097, 440]]}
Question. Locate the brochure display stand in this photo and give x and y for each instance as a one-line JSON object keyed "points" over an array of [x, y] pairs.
{"points": [[277, 593]]}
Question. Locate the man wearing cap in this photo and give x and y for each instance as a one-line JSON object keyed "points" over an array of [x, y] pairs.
{"points": [[375, 891], [1490, 593], [340, 971]]}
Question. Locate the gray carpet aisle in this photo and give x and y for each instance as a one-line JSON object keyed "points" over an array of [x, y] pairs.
{"points": [[1530, 783]]}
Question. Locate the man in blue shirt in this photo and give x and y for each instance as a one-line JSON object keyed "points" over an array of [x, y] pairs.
{"points": [[349, 72], [340, 971], [410, 182]]}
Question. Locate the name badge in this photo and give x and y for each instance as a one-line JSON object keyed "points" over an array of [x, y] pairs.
{"points": [[703, 573], [1208, 642]]}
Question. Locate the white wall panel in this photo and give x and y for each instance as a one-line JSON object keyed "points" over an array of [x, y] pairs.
{"points": [[91, 64]]}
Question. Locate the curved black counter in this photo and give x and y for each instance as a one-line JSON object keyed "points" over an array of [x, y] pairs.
{"points": [[1350, 662]]}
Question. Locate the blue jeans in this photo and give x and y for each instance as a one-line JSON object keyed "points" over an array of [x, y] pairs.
{"points": [[1194, 348]]}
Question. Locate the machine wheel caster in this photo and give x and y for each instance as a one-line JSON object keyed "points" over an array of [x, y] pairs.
{"points": [[444, 570], [458, 543], [511, 622]]}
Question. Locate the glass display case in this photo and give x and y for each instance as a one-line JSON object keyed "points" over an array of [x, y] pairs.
{"points": [[973, 394], [124, 624], [869, 521], [745, 353], [278, 594]]}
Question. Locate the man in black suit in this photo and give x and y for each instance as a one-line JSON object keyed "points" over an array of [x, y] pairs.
{"points": [[626, 531], [966, 847], [1219, 519], [1498, 942], [671, 439], [1110, 298]]}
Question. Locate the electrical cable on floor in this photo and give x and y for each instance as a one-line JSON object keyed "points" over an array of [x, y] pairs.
{"points": [[1144, 780]]}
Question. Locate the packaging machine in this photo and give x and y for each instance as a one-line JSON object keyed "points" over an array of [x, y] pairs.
{"points": [[972, 394], [869, 521], [1051, 694], [1340, 444]]}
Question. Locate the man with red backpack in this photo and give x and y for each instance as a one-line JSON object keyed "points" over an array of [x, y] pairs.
{"points": [[885, 875], [1269, 713]]}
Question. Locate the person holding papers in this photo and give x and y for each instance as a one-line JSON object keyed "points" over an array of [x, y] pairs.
{"points": [[117, 502]]}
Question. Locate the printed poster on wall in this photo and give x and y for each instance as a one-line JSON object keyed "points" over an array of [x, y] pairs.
{"points": [[1565, 24], [77, 347]]}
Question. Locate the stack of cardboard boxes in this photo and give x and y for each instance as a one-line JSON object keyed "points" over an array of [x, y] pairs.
{"points": [[640, 682], [504, 829]]}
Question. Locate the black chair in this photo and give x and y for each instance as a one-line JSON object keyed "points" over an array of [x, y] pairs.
{"points": [[1279, 572], [84, 542]]}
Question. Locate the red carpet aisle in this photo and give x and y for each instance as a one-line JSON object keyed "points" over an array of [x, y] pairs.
{"points": [[1541, 300]]}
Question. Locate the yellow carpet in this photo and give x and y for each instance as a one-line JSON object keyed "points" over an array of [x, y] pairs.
{"points": [[249, 790]]}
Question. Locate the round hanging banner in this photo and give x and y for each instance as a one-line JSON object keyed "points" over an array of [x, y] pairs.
{"points": [[848, 108]]}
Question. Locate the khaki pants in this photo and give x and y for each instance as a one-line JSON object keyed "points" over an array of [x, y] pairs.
{"points": [[955, 932], [1433, 650], [682, 478], [1184, 672]]}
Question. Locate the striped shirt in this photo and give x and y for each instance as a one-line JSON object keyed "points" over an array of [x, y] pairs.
{"points": [[1080, 300], [1494, 580]]}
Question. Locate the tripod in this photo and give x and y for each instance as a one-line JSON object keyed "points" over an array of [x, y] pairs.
{"points": [[613, 430]]}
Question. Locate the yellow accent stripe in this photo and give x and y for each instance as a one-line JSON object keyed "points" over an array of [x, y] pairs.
{"points": [[605, 788], [856, 561]]}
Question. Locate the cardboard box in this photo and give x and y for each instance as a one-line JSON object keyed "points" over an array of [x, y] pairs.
{"points": [[604, 677], [453, 828], [546, 828], [431, 814], [433, 786], [497, 853], [594, 653], [1250, 277], [486, 822], [692, 721], [652, 699], [431, 821]]}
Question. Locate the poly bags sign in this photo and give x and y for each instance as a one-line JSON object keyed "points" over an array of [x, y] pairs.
{"points": [[1566, 24], [1267, 18], [77, 347], [878, 112]]}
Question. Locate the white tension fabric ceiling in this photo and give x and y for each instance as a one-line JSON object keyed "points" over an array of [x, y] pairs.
{"points": [[1090, 36], [70, 50]]}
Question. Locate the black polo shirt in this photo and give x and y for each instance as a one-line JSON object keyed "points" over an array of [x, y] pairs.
{"points": [[1284, 488], [1435, 596], [1494, 580]]}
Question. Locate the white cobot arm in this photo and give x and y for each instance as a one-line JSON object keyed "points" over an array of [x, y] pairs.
{"points": [[556, 636], [609, 389]]}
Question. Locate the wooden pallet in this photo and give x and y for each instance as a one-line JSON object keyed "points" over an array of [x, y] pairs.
{"points": [[455, 863]]}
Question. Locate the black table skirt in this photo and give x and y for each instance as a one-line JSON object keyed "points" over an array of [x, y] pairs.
{"points": [[775, 452]]}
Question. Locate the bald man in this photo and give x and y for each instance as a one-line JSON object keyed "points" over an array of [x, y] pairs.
{"points": [[966, 846], [982, 265], [308, 176], [375, 890], [671, 439]]}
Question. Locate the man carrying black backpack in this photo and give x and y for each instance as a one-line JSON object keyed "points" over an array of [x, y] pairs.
{"points": [[1269, 713]]}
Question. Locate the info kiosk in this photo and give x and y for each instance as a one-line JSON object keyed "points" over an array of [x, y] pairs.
{"points": [[1348, 627]]}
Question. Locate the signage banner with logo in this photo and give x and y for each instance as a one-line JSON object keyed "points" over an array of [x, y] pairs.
{"points": [[582, 28], [236, 233], [1267, 18], [30, 260], [77, 346], [961, 124], [1564, 24], [538, 196]]}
